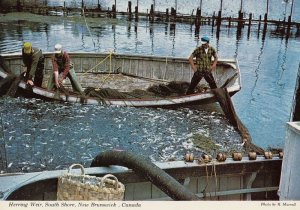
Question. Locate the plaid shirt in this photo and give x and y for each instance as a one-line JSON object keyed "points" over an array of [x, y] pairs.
{"points": [[203, 59]]}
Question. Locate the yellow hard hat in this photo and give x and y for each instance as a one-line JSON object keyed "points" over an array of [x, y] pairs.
{"points": [[27, 46]]}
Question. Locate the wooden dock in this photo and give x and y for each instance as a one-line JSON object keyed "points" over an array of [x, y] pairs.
{"points": [[196, 19]]}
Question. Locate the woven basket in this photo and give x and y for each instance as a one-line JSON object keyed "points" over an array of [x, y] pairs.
{"points": [[85, 187]]}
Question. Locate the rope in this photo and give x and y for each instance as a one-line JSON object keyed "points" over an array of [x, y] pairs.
{"points": [[215, 175], [110, 71], [102, 61], [108, 56], [88, 28]]}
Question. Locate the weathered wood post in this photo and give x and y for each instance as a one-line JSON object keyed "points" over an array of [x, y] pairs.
{"points": [[64, 9], [129, 7], [220, 14], [250, 19], [114, 9], [98, 5], [136, 10], [198, 18], [267, 12], [241, 16], [167, 14], [290, 17], [82, 7], [129, 10], [213, 19], [249, 26], [173, 12], [259, 22], [151, 15], [200, 10]]}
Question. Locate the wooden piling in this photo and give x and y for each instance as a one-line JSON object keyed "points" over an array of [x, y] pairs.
{"points": [[114, 14], [99, 6], [151, 15], [289, 24], [82, 7], [267, 12], [249, 26], [219, 18], [259, 22], [167, 14], [129, 8], [213, 20], [136, 12], [173, 12], [198, 18], [250, 19], [266, 18]]}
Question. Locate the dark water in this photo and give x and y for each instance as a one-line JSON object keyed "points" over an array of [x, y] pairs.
{"points": [[268, 61]]}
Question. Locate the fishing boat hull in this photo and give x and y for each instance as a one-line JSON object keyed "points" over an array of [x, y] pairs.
{"points": [[151, 68], [230, 180]]}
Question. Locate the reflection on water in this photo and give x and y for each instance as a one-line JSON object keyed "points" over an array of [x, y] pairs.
{"points": [[268, 61]]}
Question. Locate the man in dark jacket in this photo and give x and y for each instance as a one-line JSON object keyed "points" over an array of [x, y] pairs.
{"points": [[63, 68], [204, 65], [34, 61]]}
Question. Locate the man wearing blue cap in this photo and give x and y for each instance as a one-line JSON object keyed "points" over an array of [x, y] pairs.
{"points": [[204, 65]]}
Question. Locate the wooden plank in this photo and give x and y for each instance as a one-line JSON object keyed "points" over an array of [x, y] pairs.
{"points": [[157, 193], [142, 191], [234, 183], [192, 184]]}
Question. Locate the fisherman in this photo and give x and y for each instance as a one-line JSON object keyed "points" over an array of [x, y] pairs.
{"points": [[204, 64], [63, 68], [33, 68]]}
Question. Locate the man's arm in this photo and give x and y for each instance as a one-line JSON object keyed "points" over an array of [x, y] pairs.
{"points": [[214, 65], [67, 65], [55, 71], [57, 83], [191, 61]]}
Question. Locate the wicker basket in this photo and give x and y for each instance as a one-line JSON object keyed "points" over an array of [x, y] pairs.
{"points": [[85, 187]]}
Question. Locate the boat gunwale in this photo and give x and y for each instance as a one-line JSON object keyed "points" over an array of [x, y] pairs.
{"points": [[136, 102]]}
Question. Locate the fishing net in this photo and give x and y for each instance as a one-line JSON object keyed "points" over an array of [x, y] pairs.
{"points": [[225, 102], [171, 89]]}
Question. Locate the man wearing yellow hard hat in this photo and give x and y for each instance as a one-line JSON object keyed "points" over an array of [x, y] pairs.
{"points": [[33, 60]]}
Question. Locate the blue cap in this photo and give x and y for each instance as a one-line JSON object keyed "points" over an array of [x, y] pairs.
{"points": [[205, 39]]}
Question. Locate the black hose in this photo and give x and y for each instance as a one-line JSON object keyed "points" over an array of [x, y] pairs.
{"points": [[143, 167]]}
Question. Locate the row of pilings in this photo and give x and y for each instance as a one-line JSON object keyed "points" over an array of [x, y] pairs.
{"points": [[169, 15]]}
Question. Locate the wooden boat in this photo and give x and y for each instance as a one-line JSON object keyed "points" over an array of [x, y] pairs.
{"points": [[146, 68], [229, 180]]}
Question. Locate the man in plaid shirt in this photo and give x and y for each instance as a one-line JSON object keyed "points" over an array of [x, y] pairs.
{"points": [[204, 65]]}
